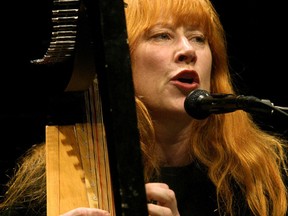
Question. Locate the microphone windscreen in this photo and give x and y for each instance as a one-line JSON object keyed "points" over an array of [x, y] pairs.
{"points": [[192, 106]]}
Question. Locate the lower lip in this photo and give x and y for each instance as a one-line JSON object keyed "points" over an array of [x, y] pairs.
{"points": [[185, 86]]}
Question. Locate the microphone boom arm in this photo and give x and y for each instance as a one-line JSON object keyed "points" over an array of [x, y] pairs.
{"points": [[200, 104]]}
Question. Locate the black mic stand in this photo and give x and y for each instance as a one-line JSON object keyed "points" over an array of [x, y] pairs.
{"points": [[277, 109], [200, 104], [275, 122]]}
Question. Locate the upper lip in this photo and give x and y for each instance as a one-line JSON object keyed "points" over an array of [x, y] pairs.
{"points": [[187, 76]]}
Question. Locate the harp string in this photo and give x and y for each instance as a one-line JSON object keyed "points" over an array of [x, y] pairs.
{"points": [[94, 177], [94, 152], [77, 162]]}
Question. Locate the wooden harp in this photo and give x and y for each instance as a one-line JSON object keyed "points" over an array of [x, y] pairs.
{"points": [[101, 54]]}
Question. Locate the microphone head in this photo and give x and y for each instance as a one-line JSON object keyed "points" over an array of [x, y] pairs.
{"points": [[192, 104]]}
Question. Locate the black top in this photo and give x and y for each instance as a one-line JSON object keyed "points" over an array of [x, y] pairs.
{"points": [[195, 193]]}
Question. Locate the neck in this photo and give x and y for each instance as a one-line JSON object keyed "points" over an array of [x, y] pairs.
{"points": [[173, 138]]}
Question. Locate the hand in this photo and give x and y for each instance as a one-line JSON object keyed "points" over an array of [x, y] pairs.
{"points": [[163, 200], [81, 211]]}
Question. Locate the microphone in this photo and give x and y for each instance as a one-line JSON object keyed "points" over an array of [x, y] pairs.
{"points": [[199, 104]]}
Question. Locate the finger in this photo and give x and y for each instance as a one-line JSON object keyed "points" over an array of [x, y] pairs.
{"points": [[81, 211], [156, 210], [157, 184], [152, 189], [160, 194]]}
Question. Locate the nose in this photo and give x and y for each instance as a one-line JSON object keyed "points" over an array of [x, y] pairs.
{"points": [[186, 53]]}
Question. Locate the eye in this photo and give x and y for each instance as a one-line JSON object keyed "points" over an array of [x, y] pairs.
{"points": [[197, 38], [162, 36]]}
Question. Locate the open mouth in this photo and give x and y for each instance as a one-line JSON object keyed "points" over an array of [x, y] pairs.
{"points": [[186, 80], [187, 76]]}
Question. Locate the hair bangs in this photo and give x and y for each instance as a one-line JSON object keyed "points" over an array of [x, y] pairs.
{"points": [[143, 14], [192, 13]]}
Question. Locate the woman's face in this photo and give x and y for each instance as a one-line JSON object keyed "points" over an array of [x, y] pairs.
{"points": [[168, 63]]}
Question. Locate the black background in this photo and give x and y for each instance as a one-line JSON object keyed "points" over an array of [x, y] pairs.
{"points": [[257, 48]]}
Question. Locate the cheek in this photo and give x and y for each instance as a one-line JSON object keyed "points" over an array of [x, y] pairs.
{"points": [[149, 58], [146, 64], [205, 76]]}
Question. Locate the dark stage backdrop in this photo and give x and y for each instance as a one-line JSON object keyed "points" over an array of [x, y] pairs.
{"points": [[257, 45], [257, 48]]}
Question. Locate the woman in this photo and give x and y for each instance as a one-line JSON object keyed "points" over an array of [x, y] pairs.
{"points": [[222, 165]]}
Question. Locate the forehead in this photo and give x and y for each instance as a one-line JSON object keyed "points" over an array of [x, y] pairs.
{"points": [[192, 13]]}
